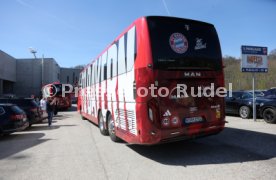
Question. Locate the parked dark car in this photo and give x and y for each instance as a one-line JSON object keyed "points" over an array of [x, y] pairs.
{"points": [[241, 103], [270, 93], [258, 93], [268, 111], [32, 109], [12, 119]]}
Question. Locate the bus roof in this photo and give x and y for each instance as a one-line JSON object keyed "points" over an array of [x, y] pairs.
{"points": [[132, 24]]}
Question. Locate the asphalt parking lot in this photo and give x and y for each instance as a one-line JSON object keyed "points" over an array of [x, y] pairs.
{"points": [[75, 149]]}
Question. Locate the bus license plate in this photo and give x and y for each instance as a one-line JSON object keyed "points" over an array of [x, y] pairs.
{"points": [[192, 120]]}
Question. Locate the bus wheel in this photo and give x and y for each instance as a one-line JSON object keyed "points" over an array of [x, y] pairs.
{"points": [[111, 129], [102, 128]]}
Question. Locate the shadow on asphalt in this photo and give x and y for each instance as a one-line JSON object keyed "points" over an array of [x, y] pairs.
{"points": [[46, 127], [61, 117], [231, 146], [15, 143]]}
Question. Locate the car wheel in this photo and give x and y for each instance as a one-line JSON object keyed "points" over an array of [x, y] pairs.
{"points": [[111, 129], [269, 115], [244, 112], [102, 127]]}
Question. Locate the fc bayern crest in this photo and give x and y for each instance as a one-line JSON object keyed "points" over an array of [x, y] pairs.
{"points": [[178, 43]]}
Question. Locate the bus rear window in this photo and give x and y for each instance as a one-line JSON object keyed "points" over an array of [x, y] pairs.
{"points": [[181, 44]]}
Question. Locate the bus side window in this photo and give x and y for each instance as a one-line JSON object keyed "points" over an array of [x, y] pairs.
{"points": [[91, 74], [86, 77], [112, 61], [105, 71], [79, 82], [104, 66], [98, 71], [94, 72], [122, 56], [131, 48]]}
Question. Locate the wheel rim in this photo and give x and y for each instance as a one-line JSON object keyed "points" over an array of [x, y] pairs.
{"points": [[243, 112], [269, 115], [111, 127]]}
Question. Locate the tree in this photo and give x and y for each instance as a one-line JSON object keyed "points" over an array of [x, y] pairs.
{"points": [[272, 54], [79, 66]]}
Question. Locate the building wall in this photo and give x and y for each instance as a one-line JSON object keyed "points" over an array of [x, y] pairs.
{"points": [[29, 75], [7, 67], [7, 72], [24, 78], [69, 75], [51, 71]]}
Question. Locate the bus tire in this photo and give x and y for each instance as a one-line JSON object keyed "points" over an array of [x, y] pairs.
{"points": [[111, 129], [101, 125], [269, 115]]}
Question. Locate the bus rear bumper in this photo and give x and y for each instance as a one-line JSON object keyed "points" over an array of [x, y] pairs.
{"points": [[172, 135]]}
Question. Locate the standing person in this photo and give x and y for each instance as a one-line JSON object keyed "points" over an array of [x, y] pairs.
{"points": [[50, 111], [55, 104]]}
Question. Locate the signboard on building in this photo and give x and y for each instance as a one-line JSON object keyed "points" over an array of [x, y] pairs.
{"points": [[254, 59]]}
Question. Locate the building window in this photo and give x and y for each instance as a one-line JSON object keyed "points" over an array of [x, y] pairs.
{"points": [[73, 77], [67, 79]]}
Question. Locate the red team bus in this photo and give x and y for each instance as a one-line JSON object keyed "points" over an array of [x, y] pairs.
{"points": [[155, 53]]}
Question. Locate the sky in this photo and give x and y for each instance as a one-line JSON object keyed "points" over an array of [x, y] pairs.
{"points": [[75, 32]]}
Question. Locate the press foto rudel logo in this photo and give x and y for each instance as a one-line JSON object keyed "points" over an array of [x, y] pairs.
{"points": [[178, 92], [49, 90]]}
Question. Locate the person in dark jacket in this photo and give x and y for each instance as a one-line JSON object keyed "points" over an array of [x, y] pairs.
{"points": [[50, 111]]}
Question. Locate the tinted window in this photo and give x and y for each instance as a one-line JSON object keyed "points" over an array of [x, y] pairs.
{"points": [[246, 96], [184, 44], [237, 95]]}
